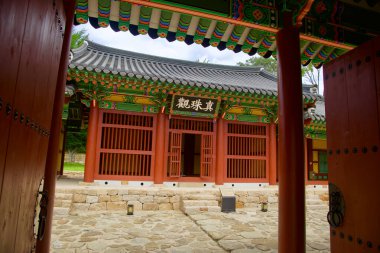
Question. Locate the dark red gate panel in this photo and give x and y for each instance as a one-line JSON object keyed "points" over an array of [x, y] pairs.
{"points": [[11, 34], [29, 65], [353, 139]]}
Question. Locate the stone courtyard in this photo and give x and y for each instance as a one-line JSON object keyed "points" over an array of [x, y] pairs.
{"points": [[78, 228]]}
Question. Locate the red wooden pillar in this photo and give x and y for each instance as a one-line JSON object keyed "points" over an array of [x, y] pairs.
{"points": [[55, 129], [272, 154], [92, 134], [160, 149], [220, 154], [291, 141]]}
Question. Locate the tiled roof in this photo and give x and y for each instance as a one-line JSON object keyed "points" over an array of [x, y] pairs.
{"points": [[94, 57]]}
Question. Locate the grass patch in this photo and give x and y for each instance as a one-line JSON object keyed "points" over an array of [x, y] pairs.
{"points": [[73, 166]]}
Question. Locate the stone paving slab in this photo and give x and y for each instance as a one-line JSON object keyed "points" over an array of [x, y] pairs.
{"points": [[145, 231], [247, 230]]}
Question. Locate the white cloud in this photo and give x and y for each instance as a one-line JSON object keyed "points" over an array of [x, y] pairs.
{"points": [[161, 47]]}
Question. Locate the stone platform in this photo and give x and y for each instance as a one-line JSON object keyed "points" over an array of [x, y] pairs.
{"points": [[92, 218]]}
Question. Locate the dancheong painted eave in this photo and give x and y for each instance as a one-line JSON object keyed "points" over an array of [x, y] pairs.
{"points": [[325, 33], [92, 59]]}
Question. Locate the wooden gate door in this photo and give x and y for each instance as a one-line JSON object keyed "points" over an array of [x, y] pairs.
{"points": [[206, 155], [175, 154]]}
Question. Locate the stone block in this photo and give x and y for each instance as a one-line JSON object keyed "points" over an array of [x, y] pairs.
{"points": [[92, 192], [176, 206], [136, 204], [165, 193], [61, 211], [150, 206], [63, 196], [160, 200], [122, 192], [116, 206], [152, 192], [79, 198], [253, 199], [137, 192], [79, 207], [146, 199], [324, 197], [130, 197], [263, 198], [57, 203], [112, 192], [240, 193], [92, 199], [66, 203], [174, 199], [239, 204], [250, 205], [104, 198], [165, 206], [116, 198], [98, 206], [101, 191]]}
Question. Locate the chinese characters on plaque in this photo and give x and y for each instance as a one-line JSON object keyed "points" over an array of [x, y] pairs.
{"points": [[194, 104]]}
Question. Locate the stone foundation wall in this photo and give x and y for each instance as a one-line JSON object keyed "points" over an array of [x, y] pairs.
{"points": [[79, 200]]}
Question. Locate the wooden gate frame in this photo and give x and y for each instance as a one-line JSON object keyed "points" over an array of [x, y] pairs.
{"points": [[246, 180], [117, 177], [211, 178]]}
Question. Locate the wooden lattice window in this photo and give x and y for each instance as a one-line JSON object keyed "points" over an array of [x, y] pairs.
{"points": [[126, 144], [247, 151]]}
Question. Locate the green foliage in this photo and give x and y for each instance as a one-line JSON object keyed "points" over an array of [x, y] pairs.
{"points": [[309, 74], [73, 166], [76, 141], [269, 64], [78, 38]]}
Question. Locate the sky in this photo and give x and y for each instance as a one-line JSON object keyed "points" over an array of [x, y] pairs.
{"points": [[161, 47]]}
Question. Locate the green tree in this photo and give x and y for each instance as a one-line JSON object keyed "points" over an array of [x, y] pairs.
{"points": [[310, 75], [77, 38], [76, 143], [269, 64]]}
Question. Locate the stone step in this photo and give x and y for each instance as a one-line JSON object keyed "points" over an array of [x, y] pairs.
{"points": [[63, 196], [61, 211], [200, 197], [187, 203], [200, 209]]}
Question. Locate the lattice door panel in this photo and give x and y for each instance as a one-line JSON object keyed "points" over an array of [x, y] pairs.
{"points": [[175, 154], [207, 156]]}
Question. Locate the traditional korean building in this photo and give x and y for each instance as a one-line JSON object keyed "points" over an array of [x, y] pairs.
{"points": [[159, 120]]}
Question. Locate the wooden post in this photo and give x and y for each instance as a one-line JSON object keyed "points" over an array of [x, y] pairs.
{"points": [[43, 246], [291, 141], [220, 154], [92, 134], [160, 149], [272, 154]]}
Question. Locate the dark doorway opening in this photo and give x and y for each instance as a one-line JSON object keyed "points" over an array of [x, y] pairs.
{"points": [[191, 155]]}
